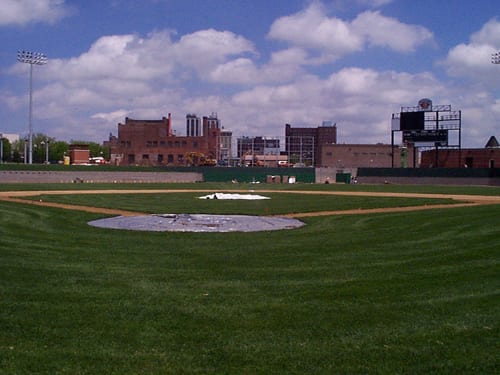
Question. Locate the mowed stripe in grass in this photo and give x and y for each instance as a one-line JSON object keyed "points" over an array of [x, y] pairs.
{"points": [[385, 293]]}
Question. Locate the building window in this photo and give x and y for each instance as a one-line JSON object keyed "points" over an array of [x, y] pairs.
{"points": [[170, 158], [145, 156], [131, 158], [180, 158], [160, 158]]}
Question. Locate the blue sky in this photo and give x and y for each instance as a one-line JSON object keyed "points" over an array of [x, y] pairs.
{"points": [[257, 64]]}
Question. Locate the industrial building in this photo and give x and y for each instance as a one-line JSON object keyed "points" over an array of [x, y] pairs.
{"points": [[153, 143], [303, 144]]}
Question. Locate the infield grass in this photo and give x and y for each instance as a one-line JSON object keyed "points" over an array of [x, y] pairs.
{"points": [[279, 203], [220, 186], [414, 292]]}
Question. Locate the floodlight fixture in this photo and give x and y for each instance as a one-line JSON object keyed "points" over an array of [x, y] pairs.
{"points": [[32, 58], [495, 58], [35, 58]]}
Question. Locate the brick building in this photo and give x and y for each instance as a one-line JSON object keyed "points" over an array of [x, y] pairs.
{"points": [[487, 157], [303, 145], [152, 142], [79, 153], [351, 156]]}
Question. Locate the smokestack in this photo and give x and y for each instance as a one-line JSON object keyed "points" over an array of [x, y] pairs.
{"points": [[169, 125]]}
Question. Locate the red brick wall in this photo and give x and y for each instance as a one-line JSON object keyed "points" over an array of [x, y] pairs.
{"points": [[151, 142], [79, 154], [473, 158]]}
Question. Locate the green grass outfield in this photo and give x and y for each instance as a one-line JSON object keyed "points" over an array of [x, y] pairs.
{"points": [[390, 293]]}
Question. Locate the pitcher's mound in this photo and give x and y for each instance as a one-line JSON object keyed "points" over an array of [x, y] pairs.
{"points": [[198, 223]]}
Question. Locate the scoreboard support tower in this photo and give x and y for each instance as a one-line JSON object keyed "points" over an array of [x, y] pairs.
{"points": [[428, 126]]}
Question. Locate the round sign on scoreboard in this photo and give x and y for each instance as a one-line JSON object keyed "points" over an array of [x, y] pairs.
{"points": [[425, 104]]}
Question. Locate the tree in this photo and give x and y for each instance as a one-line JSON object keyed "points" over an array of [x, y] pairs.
{"points": [[6, 149], [57, 151], [42, 143], [18, 150], [98, 150]]}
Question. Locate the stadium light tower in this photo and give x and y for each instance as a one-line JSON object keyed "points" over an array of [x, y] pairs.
{"points": [[32, 58], [495, 58]]}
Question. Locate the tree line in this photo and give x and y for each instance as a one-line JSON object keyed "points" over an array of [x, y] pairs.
{"points": [[44, 146]]}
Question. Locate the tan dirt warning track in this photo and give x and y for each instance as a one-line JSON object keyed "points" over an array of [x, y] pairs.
{"points": [[460, 200]]}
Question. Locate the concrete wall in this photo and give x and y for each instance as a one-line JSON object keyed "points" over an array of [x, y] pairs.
{"points": [[411, 176], [302, 175], [329, 175], [97, 177]]}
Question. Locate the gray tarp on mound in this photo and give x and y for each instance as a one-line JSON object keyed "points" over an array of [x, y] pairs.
{"points": [[197, 223]]}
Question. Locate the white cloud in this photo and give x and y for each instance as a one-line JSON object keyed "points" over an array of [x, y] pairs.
{"points": [[149, 76], [374, 3], [314, 30], [241, 70], [489, 34], [288, 56], [113, 80], [117, 116], [360, 101], [144, 76], [283, 66], [120, 57], [21, 12], [379, 30], [205, 49], [473, 60]]}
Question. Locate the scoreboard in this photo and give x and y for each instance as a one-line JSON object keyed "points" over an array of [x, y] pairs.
{"points": [[437, 137]]}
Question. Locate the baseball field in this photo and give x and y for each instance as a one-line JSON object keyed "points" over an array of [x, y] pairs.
{"points": [[380, 280]]}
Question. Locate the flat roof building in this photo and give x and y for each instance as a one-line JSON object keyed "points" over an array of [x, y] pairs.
{"points": [[351, 156], [152, 142], [303, 144]]}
